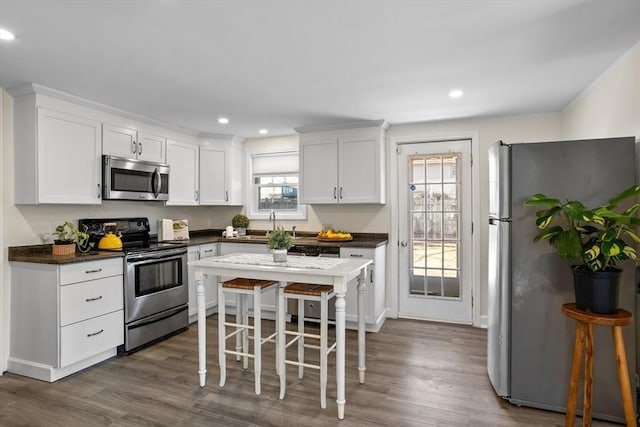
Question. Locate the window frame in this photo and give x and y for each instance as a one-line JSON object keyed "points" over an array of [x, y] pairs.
{"points": [[251, 207]]}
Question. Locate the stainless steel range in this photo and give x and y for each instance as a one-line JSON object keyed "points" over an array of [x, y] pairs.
{"points": [[155, 281]]}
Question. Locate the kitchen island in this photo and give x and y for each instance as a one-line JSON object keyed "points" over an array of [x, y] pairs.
{"points": [[335, 272]]}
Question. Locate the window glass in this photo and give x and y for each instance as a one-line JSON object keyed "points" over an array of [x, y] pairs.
{"points": [[274, 186]]}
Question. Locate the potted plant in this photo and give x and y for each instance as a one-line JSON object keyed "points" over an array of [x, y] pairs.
{"points": [[594, 241], [68, 237], [240, 222], [279, 241]]}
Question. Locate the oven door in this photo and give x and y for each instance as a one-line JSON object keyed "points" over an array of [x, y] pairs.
{"points": [[154, 282], [134, 179]]}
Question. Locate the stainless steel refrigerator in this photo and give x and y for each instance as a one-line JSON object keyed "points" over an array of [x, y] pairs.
{"points": [[530, 341]]}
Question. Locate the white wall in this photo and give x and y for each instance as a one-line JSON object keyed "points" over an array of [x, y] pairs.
{"points": [[610, 106]]}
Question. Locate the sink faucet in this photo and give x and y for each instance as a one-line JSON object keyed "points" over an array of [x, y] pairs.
{"points": [[294, 231], [272, 217]]}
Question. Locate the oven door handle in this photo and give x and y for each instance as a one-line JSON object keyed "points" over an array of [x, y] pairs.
{"points": [[157, 180], [157, 317], [164, 254]]}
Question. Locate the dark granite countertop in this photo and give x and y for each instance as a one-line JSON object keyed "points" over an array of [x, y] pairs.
{"points": [[41, 254], [303, 238]]}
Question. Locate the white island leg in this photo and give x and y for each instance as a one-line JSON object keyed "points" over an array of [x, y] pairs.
{"points": [[362, 294], [202, 327], [282, 338], [340, 353]]}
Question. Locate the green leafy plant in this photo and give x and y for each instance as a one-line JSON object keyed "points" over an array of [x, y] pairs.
{"points": [[279, 239], [589, 238], [240, 221], [67, 233]]}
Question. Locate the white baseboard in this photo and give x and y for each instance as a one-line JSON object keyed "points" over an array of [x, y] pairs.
{"points": [[49, 373]]}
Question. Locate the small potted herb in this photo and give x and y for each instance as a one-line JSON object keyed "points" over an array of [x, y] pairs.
{"points": [[68, 237], [240, 222], [279, 241]]}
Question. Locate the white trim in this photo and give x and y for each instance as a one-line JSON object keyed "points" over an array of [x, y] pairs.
{"points": [[341, 126], [4, 301], [393, 288], [34, 88], [299, 214]]}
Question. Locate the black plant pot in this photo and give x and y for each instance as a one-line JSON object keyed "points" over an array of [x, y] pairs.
{"points": [[597, 291]]}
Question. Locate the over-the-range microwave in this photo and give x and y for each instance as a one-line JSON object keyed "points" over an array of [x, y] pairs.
{"points": [[129, 179]]}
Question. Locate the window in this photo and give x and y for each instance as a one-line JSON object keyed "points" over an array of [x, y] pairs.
{"points": [[274, 186]]}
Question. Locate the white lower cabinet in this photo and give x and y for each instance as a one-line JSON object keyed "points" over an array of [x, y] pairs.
{"points": [[375, 287], [65, 318], [211, 291]]}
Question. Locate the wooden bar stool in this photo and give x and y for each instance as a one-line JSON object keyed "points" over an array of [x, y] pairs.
{"points": [[584, 341], [243, 288], [305, 292]]}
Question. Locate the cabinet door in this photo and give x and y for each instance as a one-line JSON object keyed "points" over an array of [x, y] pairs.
{"points": [[183, 179], [319, 170], [119, 141], [213, 176], [352, 289], [68, 158], [359, 170], [211, 286], [151, 147], [193, 254]]}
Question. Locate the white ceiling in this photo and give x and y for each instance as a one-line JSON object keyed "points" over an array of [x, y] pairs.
{"points": [[283, 64]]}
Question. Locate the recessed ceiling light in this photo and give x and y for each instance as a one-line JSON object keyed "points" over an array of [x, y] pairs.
{"points": [[6, 35], [263, 131], [223, 120], [456, 93]]}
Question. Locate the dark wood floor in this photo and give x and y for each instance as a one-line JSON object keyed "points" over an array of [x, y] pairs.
{"points": [[418, 374]]}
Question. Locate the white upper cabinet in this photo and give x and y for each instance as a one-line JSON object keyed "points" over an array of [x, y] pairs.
{"points": [[183, 178], [151, 147], [343, 164], [56, 154], [132, 144], [221, 166], [119, 141]]}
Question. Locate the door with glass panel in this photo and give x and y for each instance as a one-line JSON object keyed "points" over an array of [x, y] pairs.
{"points": [[435, 231]]}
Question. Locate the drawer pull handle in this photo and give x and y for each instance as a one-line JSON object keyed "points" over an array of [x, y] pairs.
{"points": [[208, 251], [356, 255], [97, 270], [95, 333], [93, 299]]}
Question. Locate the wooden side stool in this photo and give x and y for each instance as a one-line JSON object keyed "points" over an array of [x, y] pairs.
{"points": [[243, 288], [584, 341]]}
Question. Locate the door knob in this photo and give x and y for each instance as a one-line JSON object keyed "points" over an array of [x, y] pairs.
{"points": [[403, 244]]}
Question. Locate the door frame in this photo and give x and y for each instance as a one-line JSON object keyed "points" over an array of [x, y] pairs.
{"points": [[394, 235]]}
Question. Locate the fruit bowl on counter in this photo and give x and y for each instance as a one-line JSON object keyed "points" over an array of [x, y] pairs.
{"points": [[332, 235]]}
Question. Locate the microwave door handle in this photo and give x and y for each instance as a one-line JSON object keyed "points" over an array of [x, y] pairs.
{"points": [[157, 180]]}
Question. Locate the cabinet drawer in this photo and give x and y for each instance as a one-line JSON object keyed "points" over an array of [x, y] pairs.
{"points": [[93, 336], [364, 253], [84, 300], [82, 271], [207, 251]]}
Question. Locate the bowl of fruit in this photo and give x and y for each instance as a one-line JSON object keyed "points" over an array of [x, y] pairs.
{"points": [[331, 235]]}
